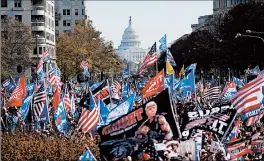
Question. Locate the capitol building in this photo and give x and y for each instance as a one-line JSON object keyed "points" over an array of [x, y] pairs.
{"points": [[129, 50]]}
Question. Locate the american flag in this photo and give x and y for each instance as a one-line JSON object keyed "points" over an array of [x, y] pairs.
{"points": [[84, 64], [195, 123], [251, 121], [39, 101], [88, 120], [54, 77], [67, 102], [219, 116], [45, 56], [211, 93], [116, 89], [249, 97], [149, 59]]}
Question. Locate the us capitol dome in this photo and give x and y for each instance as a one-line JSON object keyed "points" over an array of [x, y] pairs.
{"points": [[129, 50]]}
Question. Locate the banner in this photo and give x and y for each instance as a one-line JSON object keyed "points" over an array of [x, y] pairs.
{"points": [[102, 91], [154, 119], [216, 119], [122, 109], [154, 85]]}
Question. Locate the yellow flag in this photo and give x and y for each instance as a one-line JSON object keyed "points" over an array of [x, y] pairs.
{"points": [[181, 71], [169, 68]]}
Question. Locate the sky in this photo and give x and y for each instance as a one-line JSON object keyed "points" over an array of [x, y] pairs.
{"points": [[150, 19]]}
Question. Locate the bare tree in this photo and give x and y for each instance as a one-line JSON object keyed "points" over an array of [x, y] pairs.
{"points": [[16, 45]]}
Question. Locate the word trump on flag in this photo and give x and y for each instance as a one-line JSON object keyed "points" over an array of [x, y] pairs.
{"points": [[154, 86]]}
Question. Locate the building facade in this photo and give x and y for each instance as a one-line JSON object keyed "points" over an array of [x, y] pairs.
{"points": [[67, 13], [129, 50], [202, 20], [220, 7], [40, 16]]}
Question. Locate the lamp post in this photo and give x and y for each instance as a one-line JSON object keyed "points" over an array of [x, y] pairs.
{"points": [[254, 32], [37, 36], [250, 36]]}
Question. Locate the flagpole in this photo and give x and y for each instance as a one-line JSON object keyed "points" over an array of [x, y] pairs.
{"points": [[157, 66], [229, 127], [47, 105]]}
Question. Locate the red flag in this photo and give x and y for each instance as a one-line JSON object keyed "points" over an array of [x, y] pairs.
{"points": [[18, 94], [154, 86], [56, 99]]}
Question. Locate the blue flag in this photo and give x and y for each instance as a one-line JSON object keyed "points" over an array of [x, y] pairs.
{"points": [[25, 107], [9, 85], [169, 82], [238, 82], [44, 116], [86, 73], [170, 58], [60, 119], [254, 71], [30, 88], [125, 71], [95, 85], [163, 43], [190, 68], [125, 91], [103, 110], [87, 156], [187, 85], [121, 109]]}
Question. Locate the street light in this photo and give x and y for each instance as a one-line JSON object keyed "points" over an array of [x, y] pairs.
{"points": [[37, 36], [250, 36], [253, 32]]}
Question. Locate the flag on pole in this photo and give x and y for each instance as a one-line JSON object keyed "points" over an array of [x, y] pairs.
{"points": [[181, 71], [84, 66], [170, 58], [169, 68], [89, 119], [150, 58], [18, 94], [163, 43]]}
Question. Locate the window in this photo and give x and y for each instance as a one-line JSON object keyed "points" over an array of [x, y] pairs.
{"points": [[64, 11], [3, 3], [82, 11], [17, 3], [52, 12], [40, 50], [76, 11], [57, 23], [66, 31], [52, 25], [3, 18], [57, 32], [35, 52], [68, 12], [18, 17], [66, 22]]}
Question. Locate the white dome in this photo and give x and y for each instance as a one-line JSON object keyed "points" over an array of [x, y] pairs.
{"points": [[129, 38]]}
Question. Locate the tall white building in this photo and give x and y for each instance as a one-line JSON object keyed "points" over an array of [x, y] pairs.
{"points": [[68, 12], [129, 50], [40, 16]]}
